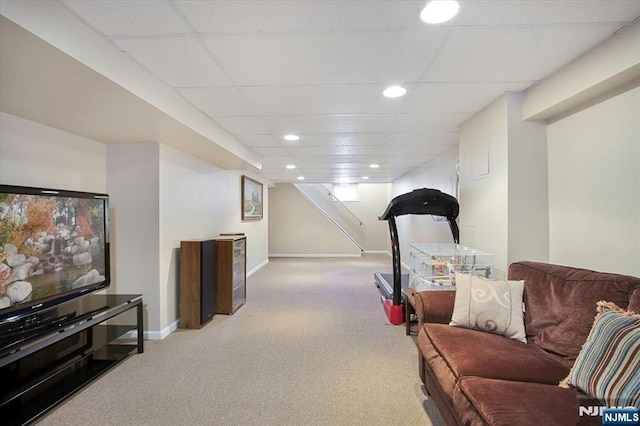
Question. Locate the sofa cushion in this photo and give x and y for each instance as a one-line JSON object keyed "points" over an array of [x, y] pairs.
{"points": [[489, 305], [453, 352], [482, 401], [561, 302], [608, 366]]}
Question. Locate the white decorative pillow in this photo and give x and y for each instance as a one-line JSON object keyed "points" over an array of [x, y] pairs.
{"points": [[488, 305]]}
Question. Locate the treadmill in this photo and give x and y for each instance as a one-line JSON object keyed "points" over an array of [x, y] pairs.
{"points": [[418, 201]]}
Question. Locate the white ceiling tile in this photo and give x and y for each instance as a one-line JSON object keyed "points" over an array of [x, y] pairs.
{"points": [[275, 162], [326, 58], [331, 150], [306, 16], [142, 17], [179, 61], [316, 68], [511, 54], [457, 97], [369, 150], [218, 101], [302, 124], [244, 125], [544, 12], [271, 151], [342, 139], [259, 140], [362, 160], [320, 99], [421, 138], [429, 122]]}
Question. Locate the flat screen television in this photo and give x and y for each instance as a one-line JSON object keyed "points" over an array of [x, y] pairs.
{"points": [[54, 247]]}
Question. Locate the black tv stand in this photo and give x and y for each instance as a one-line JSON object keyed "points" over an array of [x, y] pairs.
{"points": [[40, 371]]}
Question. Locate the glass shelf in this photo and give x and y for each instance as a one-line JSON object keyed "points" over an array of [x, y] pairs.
{"points": [[433, 265]]}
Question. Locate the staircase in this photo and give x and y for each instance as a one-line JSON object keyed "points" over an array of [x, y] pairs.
{"points": [[335, 211]]}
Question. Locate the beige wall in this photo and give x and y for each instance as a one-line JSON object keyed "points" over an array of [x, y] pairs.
{"points": [[158, 196], [35, 155], [374, 198], [163, 196], [568, 189], [133, 185], [594, 186], [528, 205], [297, 228], [198, 200], [484, 212]]}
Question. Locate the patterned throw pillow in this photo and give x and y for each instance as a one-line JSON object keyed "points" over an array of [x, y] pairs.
{"points": [[487, 305], [608, 366]]}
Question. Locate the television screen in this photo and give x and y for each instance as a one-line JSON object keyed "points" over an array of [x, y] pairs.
{"points": [[54, 246]]}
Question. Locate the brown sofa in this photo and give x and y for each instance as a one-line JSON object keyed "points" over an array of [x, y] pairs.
{"points": [[478, 378]]}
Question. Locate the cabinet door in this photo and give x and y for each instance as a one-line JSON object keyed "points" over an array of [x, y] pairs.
{"points": [[239, 256], [207, 281]]}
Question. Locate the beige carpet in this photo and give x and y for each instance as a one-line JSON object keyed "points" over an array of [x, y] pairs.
{"points": [[311, 346]]}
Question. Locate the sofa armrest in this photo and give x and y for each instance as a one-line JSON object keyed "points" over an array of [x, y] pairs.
{"points": [[434, 306]]}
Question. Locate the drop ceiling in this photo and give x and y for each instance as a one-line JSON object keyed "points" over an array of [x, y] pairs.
{"points": [[264, 69]]}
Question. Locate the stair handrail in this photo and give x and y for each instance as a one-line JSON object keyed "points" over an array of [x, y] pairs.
{"points": [[333, 198]]}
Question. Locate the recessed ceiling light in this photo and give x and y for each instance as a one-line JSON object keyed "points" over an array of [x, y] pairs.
{"points": [[300, 177], [374, 166], [291, 166], [292, 137], [394, 91], [365, 177], [439, 11]]}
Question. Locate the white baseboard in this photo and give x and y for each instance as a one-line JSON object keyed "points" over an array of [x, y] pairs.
{"points": [[159, 335], [154, 335], [377, 252], [257, 268], [405, 266], [315, 255]]}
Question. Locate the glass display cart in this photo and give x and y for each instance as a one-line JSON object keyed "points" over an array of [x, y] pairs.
{"points": [[433, 265]]}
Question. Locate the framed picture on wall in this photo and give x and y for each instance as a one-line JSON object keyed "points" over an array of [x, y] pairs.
{"points": [[251, 199]]}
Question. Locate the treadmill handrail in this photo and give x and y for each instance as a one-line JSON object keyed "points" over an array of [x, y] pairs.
{"points": [[422, 201], [419, 201]]}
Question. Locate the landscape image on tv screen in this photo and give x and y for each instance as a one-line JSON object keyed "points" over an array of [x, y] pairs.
{"points": [[50, 245]]}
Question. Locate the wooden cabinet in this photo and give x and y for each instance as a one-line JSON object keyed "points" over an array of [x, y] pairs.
{"points": [[197, 282], [231, 273]]}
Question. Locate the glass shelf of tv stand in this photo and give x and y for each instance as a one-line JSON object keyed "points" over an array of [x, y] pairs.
{"points": [[40, 373], [433, 265], [65, 319]]}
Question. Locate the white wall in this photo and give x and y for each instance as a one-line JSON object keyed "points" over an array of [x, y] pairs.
{"points": [[32, 154], [374, 198], [162, 196], [528, 204], [484, 182], [198, 200], [439, 173], [503, 184], [132, 184], [296, 227], [594, 186], [158, 196]]}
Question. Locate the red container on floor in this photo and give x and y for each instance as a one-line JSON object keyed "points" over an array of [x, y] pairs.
{"points": [[395, 313]]}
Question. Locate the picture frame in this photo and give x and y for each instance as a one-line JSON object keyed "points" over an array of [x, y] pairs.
{"points": [[252, 199]]}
